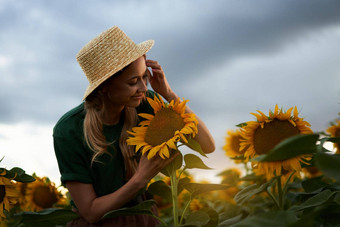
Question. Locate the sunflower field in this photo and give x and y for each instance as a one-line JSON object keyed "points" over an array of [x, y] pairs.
{"points": [[286, 176]]}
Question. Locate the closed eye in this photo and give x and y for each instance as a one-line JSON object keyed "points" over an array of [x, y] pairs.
{"points": [[135, 80]]}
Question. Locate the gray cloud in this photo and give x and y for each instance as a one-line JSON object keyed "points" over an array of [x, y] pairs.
{"points": [[42, 38]]}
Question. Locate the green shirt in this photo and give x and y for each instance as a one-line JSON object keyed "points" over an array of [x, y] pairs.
{"points": [[74, 156]]}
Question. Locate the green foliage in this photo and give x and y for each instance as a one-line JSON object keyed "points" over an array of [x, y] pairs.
{"points": [[242, 125], [174, 165], [192, 161], [142, 208], [44, 218], [308, 202], [329, 164], [198, 218], [161, 189], [17, 174], [196, 188], [314, 201], [194, 145], [246, 193], [268, 219]]}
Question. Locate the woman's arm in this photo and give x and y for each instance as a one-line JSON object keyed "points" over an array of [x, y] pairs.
{"points": [[92, 208], [160, 85]]}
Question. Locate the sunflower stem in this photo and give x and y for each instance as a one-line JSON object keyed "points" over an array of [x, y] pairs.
{"points": [[174, 195], [279, 190], [272, 197], [185, 210], [285, 187], [180, 173]]}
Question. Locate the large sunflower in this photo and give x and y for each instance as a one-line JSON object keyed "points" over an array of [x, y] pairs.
{"points": [[264, 134], [42, 194], [232, 145], [159, 133], [334, 130], [8, 195]]}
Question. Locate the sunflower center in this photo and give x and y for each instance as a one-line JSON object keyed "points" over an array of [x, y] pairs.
{"points": [[2, 193], [271, 134], [44, 197], [163, 126]]}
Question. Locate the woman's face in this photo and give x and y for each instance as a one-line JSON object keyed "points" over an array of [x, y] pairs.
{"points": [[128, 88]]}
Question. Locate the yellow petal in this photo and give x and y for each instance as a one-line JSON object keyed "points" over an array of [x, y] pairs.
{"points": [[146, 116]]}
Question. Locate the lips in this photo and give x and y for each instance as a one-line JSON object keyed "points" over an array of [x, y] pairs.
{"points": [[138, 96]]}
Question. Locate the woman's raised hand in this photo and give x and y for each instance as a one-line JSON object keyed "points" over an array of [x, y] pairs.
{"points": [[158, 80]]}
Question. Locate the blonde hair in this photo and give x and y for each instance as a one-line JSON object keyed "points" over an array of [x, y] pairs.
{"points": [[93, 131]]}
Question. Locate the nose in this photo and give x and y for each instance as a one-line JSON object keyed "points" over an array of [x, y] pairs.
{"points": [[142, 86]]}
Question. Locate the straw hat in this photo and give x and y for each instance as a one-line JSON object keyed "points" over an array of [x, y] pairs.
{"points": [[108, 53]]}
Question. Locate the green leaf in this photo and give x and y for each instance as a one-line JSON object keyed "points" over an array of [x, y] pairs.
{"points": [[213, 216], [192, 161], [291, 147], [197, 218], [313, 184], [181, 182], [253, 189], [330, 139], [230, 221], [47, 217], [175, 164], [196, 188], [19, 174], [328, 164], [193, 144], [242, 125], [142, 208], [269, 219], [252, 177], [161, 189], [314, 201]]}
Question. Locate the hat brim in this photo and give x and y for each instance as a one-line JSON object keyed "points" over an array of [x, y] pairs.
{"points": [[142, 48]]}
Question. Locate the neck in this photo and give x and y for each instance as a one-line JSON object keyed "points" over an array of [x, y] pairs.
{"points": [[111, 114]]}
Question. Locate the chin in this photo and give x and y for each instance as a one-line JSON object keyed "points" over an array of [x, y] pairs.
{"points": [[133, 104]]}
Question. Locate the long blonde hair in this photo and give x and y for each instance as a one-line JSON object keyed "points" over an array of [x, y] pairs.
{"points": [[93, 130]]}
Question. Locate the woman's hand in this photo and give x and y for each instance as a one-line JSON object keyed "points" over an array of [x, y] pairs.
{"points": [[147, 169], [158, 80]]}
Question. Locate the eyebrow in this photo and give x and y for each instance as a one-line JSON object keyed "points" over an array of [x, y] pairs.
{"points": [[145, 73]]}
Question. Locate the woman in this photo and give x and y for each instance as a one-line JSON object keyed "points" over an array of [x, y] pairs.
{"points": [[96, 165]]}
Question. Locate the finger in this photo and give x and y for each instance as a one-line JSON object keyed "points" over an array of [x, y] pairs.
{"points": [[150, 61], [157, 71], [148, 73], [169, 160], [153, 64]]}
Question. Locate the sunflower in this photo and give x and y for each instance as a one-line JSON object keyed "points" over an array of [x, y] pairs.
{"points": [[21, 188], [8, 195], [232, 145], [42, 194], [159, 133], [231, 176], [229, 194], [334, 130], [196, 205], [264, 134], [312, 171]]}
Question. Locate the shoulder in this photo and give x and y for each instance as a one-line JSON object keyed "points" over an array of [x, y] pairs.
{"points": [[70, 121]]}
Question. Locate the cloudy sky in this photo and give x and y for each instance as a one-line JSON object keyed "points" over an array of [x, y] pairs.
{"points": [[228, 57]]}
